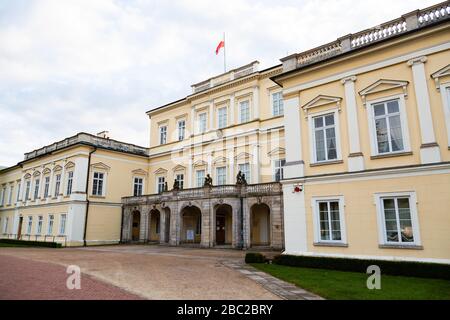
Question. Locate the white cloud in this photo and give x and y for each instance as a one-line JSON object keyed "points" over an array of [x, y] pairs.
{"points": [[80, 65]]}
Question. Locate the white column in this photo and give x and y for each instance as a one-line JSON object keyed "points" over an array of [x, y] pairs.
{"points": [[150, 131], [256, 102], [293, 142], [192, 121], [79, 179], [255, 165], [231, 122], [355, 158], [211, 115], [189, 174], [429, 150]]}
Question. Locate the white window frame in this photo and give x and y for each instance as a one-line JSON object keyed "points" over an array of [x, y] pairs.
{"points": [[50, 224], [5, 225], [158, 182], [2, 196], [202, 181], [217, 175], [69, 184], [47, 187], [316, 219], [18, 191], [248, 177], [27, 189], [103, 193], [200, 127], [181, 130], [11, 190], [182, 180], [381, 221], [57, 184], [162, 135], [337, 132], [240, 111], [224, 117], [36, 189], [403, 122], [134, 184], [274, 168], [39, 225], [30, 224], [445, 95], [62, 224], [272, 101]]}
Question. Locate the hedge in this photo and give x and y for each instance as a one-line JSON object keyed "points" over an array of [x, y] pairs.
{"points": [[397, 268], [32, 243], [254, 257]]}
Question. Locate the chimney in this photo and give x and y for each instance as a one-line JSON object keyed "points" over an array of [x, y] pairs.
{"points": [[103, 134]]}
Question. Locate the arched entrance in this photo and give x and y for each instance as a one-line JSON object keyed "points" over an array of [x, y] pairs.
{"points": [[136, 225], [224, 224], [260, 225], [191, 225], [154, 225]]}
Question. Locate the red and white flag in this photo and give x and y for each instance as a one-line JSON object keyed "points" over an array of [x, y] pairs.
{"points": [[219, 46]]}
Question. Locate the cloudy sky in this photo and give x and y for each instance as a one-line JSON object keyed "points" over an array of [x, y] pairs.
{"points": [[90, 65]]}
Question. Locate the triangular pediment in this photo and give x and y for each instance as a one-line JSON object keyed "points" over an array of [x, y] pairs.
{"points": [[179, 167], [161, 171], [219, 160], [57, 168], [322, 100], [36, 173], [69, 164], [139, 172], [100, 165], [276, 151], [46, 171], [445, 71], [27, 176], [200, 163], [383, 85], [243, 156]]}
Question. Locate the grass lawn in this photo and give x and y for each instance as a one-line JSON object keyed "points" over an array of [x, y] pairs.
{"points": [[332, 284]]}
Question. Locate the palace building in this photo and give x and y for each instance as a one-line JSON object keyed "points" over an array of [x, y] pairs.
{"points": [[341, 150]]}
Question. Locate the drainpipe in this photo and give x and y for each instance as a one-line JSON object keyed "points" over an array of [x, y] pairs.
{"points": [[87, 197]]}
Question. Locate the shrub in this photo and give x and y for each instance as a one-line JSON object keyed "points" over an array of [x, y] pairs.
{"points": [[255, 257], [32, 243], [397, 268]]}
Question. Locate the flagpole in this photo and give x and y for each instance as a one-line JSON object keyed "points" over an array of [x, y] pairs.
{"points": [[224, 54]]}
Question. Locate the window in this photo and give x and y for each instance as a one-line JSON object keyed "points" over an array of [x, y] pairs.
{"points": [[180, 179], [278, 168], [163, 135], [97, 187], [57, 184], [244, 111], [200, 177], [69, 182], [30, 224], [277, 104], [221, 175], [181, 129], [2, 196], [39, 226], [50, 224], [222, 117], [161, 184], [36, 189], [397, 218], [325, 148], [18, 192], [137, 188], [62, 224], [329, 220], [5, 227], [202, 122], [388, 127], [27, 190], [245, 169], [11, 190], [46, 187]]}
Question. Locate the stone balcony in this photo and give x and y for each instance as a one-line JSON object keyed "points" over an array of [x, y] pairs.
{"points": [[411, 21]]}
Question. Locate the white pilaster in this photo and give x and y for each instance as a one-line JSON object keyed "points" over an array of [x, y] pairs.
{"points": [[429, 150], [193, 121], [189, 174], [211, 115], [231, 122], [209, 169], [256, 102], [355, 159], [293, 142], [255, 165], [79, 179], [150, 131], [231, 167]]}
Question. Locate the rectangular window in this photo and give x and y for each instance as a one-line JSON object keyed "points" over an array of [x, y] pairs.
{"points": [[388, 127], [5, 227], [221, 173], [202, 122], [39, 226], [69, 182], [200, 177], [163, 135], [397, 220], [325, 138], [46, 187], [57, 184], [180, 179], [277, 104], [222, 117], [329, 221], [244, 111], [11, 190], [36, 189], [161, 184], [50, 224], [2, 196], [30, 224], [62, 224], [181, 129], [278, 168], [18, 192], [138, 184], [27, 190], [245, 169], [97, 187]]}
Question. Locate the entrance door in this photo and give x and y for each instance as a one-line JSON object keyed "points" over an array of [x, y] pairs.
{"points": [[136, 226], [19, 231], [220, 229]]}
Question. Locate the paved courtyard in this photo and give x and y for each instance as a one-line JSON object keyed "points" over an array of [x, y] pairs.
{"points": [[127, 272]]}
